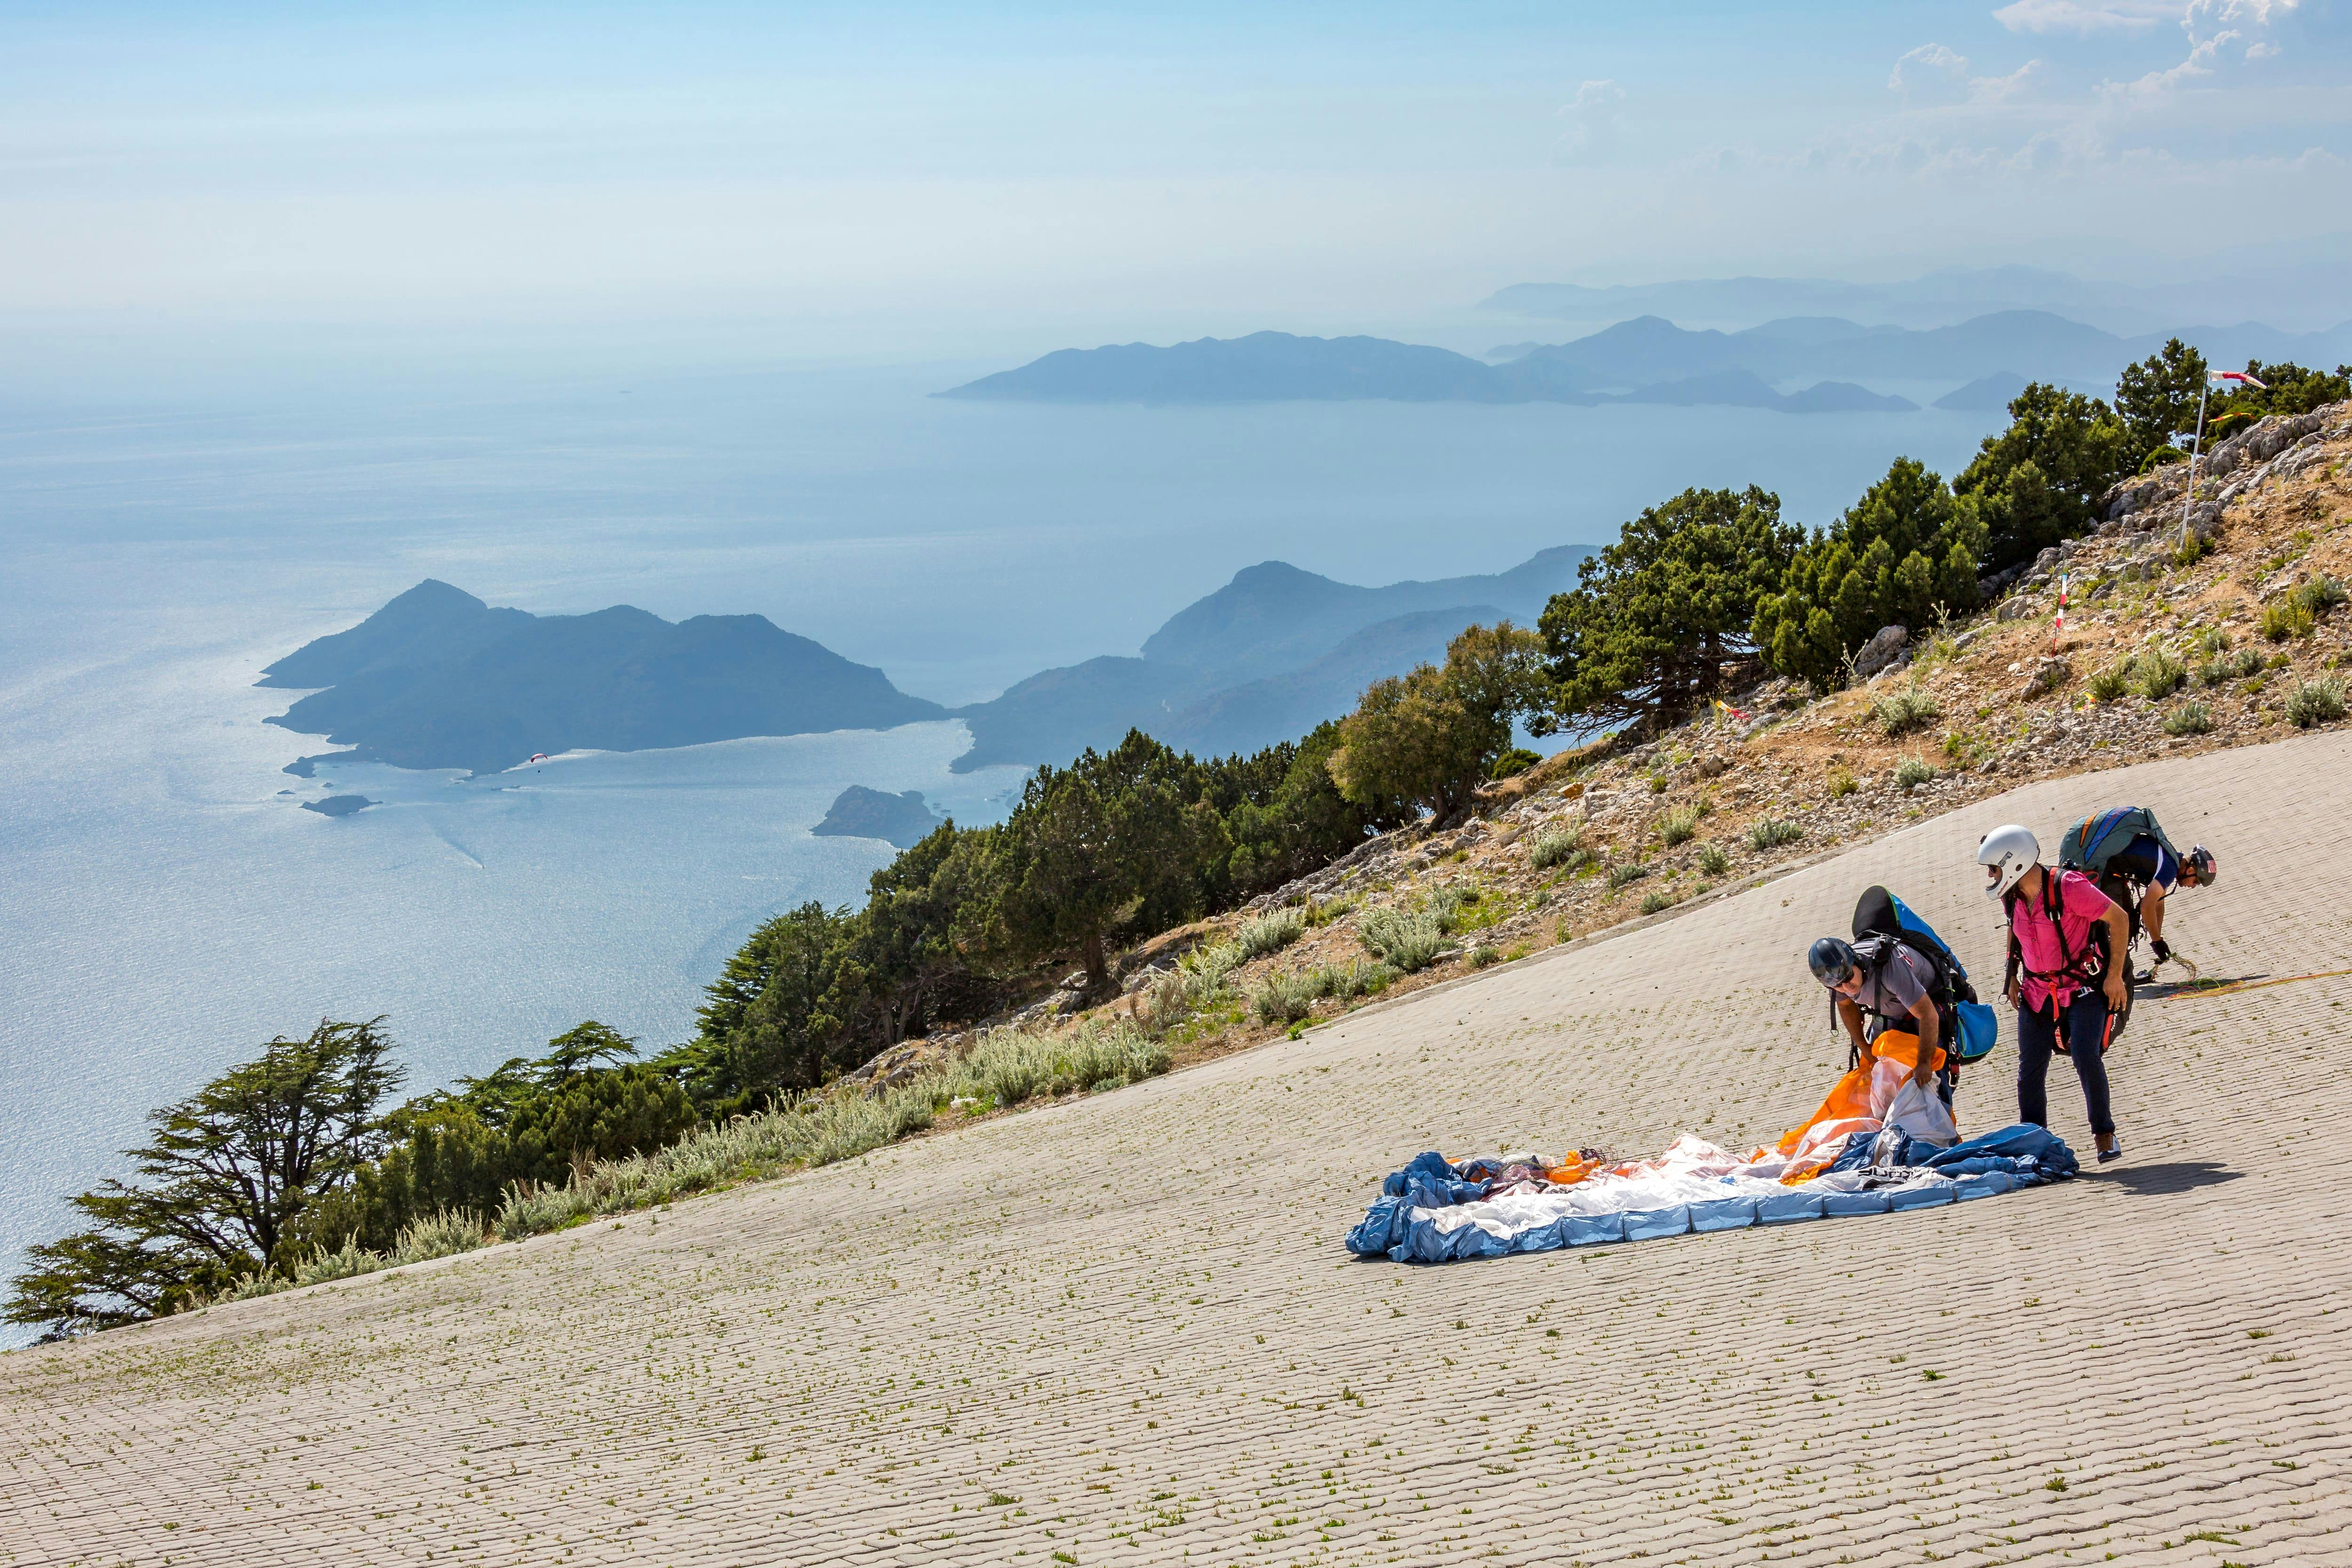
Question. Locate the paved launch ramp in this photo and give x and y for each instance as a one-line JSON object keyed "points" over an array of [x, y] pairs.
{"points": [[1124, 1331]]}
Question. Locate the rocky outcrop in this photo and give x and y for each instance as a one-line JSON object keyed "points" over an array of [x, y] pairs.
{"points": [[904, 1061], [2280, 446]]}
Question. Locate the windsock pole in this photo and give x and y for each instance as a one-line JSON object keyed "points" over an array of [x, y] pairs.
{"points": [[2189, 495]]}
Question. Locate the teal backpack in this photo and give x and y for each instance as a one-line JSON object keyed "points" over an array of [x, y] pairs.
{"points": [[2091, 843]]}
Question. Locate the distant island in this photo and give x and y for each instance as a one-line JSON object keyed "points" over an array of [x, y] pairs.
{"points": [[338, 805], [1985, 394], [903, 820], [438, 679], [1646, 360]]}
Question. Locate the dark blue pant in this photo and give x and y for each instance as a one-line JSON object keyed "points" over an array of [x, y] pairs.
{"points": [[2037, 1037]]}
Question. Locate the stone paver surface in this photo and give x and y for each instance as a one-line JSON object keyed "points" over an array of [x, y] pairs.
{"points": [[1123, 1329]]}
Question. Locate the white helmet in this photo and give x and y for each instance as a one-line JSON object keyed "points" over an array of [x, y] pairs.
{"points": [[2012, 852]]}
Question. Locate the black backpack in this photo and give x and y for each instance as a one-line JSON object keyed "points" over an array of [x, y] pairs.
{"points": [[1880, 914]]}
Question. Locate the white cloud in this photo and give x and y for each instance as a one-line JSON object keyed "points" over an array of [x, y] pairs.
{"points": [[1927, 68], [2003, 88], [2088, 16], [1592, 119], [2220, 32], [1933, 73]]}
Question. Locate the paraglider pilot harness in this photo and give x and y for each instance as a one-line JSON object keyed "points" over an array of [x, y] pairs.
{"points": [[2082, 970]]}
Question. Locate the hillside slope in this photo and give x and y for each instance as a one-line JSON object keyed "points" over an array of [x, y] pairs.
{"points": [[1123, 1329]]}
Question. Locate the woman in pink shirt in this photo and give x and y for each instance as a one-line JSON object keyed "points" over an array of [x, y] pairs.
{"points": [[2065, 973]]}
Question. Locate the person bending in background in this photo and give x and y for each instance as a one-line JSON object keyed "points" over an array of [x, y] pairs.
{"points": [[2149, 864], [2125, 849], [2067, 942]]}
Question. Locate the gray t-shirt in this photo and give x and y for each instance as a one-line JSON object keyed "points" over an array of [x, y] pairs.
{"points": [[1890, 989]]}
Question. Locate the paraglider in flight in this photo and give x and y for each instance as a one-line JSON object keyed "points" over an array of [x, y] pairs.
{"points": [[536, 757]]}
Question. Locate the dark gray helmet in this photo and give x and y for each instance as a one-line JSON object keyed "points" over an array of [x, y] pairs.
{"points": [[1831, 960], [2201, 858]]}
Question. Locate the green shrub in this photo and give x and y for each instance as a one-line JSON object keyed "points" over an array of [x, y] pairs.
{"points": [[2316, 703], [1354, 979], [1555, 847], [346, 1261], [1653, 902], [2192, 550], [1771, 832], [1283, 998], [1406, 942], [2216, 671], [1200, 979], [1843, 783], [2320, 595], [1901, 711], [2160, 675], [1911, 773], [1965, 748], [1483, 955], [2214, 641], [1628, 872], [2290, 617], [1445, 904], [2188, 719], [1681, 825], [2161, 456], [1270, 932], [2111, 682], [1713, 860], [1515, 761]]}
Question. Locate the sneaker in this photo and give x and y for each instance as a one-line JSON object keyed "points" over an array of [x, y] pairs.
{"points": [[2114, 1153]]}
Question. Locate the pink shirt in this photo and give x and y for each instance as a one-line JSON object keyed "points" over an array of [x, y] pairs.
{"points": [[2081, 904]]}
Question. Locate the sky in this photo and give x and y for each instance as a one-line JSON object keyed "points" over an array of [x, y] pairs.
{"points": [[917, 175]]}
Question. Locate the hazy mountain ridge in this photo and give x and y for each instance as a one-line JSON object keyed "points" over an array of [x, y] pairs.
{"points": [[1265, 659], [1278, 367], [2313, 277], [1646, 359]]}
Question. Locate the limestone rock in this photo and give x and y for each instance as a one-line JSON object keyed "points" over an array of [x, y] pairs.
{"points": [[2047, 675], [1881, 651]]}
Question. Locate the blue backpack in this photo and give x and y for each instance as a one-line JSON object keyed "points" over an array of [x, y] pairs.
{"points": [[1976, 1028]]}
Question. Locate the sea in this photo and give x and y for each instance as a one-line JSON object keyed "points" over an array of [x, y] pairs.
{"points": [[165, 905]]}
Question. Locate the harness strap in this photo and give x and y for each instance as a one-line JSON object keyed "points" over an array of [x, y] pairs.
{"points": [[2079, 967]]}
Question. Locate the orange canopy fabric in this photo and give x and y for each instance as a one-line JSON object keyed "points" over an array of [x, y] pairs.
{"points": [[1849, 1099], [1902, 1046]]}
